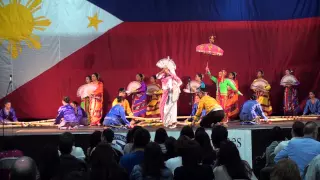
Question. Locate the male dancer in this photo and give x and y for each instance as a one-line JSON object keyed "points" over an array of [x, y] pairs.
{"points": [[7, 113], [82, 116], [251, 111], [66, 117], [126, 105], [116, 116]]}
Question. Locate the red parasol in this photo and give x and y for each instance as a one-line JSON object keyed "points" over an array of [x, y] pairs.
{"points": [[210, 48]]}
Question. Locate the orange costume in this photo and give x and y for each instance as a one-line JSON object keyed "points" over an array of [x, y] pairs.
{"points": [[96, 102], [232, 105]]}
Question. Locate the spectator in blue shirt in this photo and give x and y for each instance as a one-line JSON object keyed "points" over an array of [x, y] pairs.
{"points": [[251, 110], [302, 150], [313, 105]]}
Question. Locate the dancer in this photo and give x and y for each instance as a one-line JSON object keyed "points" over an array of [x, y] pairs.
{"points": [[82, 116], [125, 104], [96, 101], [232, 106], [195, 107], [7, 113], [153, 106], [171, 90], [262, 91], [222, 89], [66, 117], [85, 102], [199, 79], [139, 98], [214, 112], [251, 111], [116, 116], [313, 105], [291, 104]]}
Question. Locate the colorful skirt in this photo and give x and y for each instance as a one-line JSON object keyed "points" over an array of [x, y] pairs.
{"points": [[232, 106], [290, 101], [139, 105], [264, 100], [85, 104], [153, 106], [96, 109]]}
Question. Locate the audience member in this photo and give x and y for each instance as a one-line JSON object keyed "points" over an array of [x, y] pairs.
{"points": [[160, 137], [276, 138], [76, 151], [285, 169], [95, 139], [218, 134], [8, 148], [296, 132], [128, 147], [104, 165], [313, 171], [191, 169], [68, 162], [24, 168], [200, 129], [50, 162], [207, 152], [77, 175], [170, 147], [107, 136], [229, 164], [187, 131], [140, 140], [302, 150], [152, 166]]}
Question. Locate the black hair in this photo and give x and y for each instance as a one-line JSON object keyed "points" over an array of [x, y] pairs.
{"points": [[75, 103], [97, 75], [89, 77], [290, 71], [234, 74], [276, 134], [262, 73], [207, 152], [187, 131], [108, 135], [191, 155], [141, 138], [199, 129], [180, 144], [66, 99], [160, 136], [170, 147], [120, 99], [141, 76], [312, 92], [254, 97], [310, 128], [203, 89], [50, 162], [219, 133], [153, 161], [130, 134], [122, 89], [66, 142], [95, 139], [6, 101], [297, 128], [200, 75], [154, 76]]}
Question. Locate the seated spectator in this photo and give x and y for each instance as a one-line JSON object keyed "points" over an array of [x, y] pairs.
{"points": [[95, 139], [190, 169], [76, 151], [107, 136], [302, 150], [170, 147], [285, 169], [8, 149], [313, 105], [24, 168], [180, 145], [77, 175], [276, 137], [50, 162], [218, 134], [104, 165], [140, 140], [229, 164], [152, 166], [313, 171], [207, 152], [187, 131], [68, 162], [200, 129], [128, 147], [160, 137], [296, 132]]}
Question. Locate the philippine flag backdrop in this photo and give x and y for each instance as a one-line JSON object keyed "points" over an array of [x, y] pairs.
{"points": [[49, 46]]}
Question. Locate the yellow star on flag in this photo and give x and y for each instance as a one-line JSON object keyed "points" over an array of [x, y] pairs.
{"points": [[94, 21]]}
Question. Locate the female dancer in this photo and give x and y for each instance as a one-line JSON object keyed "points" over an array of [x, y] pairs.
{"points": [[171, 90], [153, 106], [233, 97], [85, 102], [263, 95], [199, 79], [291, 104], [96, 101], [139, 98]]}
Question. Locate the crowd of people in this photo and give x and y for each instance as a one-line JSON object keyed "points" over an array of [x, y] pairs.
{"points": [[193, 155]]}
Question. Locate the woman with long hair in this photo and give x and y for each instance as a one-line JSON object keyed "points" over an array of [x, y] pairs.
{"points": [[104, 165], [229, 164], [96, 101], [153, 106], [152, 166], [160, 137], [85, 102], [139, 98], [94, 140], [290, 98], [232, 107], [207, 152]]}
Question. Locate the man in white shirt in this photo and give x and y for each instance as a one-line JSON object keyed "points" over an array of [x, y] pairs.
{"points": [[296, 132]]}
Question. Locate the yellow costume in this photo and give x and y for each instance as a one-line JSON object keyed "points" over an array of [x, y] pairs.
{"points": [[264, 97], [126, 106]]}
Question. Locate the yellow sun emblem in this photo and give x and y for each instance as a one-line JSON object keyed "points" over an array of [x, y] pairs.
{"points": [[18, 23]]}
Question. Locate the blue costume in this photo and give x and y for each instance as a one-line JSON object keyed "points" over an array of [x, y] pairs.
{"points": [[194, 110], [312, 108], [8, 115], [82, 117], [68, 114], [116, 117], [251, 109]]}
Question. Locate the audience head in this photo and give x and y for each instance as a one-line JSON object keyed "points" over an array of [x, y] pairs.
{"points": [[130, 134], [312, 95], [66, 142], [95, 138], [107, 135], [276, 134], [103, 155], [141, 138], [311, 129], [297, 129], [200, 129], [254, 97], [170, 147], [50, 162], [65, 100], [191, 155], [153, 161], [160, 136], [204, 140], [187, 131], [219, 134], [23, 168], [285, 169], [181, 144]]}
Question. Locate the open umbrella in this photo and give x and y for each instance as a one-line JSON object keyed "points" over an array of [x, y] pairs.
{"points": [[210, 48]]}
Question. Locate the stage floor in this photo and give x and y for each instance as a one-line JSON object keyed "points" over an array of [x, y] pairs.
{"points": [[88, 130]]}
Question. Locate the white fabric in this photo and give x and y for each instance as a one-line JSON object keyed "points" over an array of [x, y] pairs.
{"points": [[173, 163], [281, 146]]}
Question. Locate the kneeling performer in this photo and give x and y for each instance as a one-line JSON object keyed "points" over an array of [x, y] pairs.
{"points": [[117, 115], [82, 117], [66, 115], [7, 113], [214, 112], [251, 111]]}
